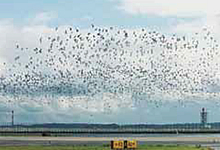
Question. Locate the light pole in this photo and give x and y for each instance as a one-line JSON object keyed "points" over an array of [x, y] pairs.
{"points": [[12, 118]]}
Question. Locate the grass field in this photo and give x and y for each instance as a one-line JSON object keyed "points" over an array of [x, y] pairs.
{"points": [[142, 147]]}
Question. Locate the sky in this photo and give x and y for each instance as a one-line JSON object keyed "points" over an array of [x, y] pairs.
{"points": [[104, 13], [24, 21]]}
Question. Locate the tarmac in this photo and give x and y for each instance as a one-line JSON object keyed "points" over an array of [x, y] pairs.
{"points": [[54, 141]]}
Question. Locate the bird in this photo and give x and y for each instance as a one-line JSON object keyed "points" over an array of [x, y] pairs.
{"points": [[91, 63]]}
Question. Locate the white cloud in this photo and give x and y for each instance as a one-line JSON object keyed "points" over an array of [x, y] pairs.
{"points": [[185, 8], [212, 23], [28, 36]]}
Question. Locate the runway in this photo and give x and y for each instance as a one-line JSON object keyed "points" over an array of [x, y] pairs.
{"points": [[23, 141]]}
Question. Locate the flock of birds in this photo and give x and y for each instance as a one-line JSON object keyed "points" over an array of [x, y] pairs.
{"points": [[149, 65]]}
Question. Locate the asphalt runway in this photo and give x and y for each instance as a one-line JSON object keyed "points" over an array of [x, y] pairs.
{"points": [[24, 141]]}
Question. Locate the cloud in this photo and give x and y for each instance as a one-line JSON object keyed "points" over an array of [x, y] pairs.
{"points": [[112, 105], [212, 23], [26, 36], [185, 8]]}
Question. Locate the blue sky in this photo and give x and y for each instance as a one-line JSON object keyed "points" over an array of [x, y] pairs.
{"points": [[82, 13], [24, 21]]}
